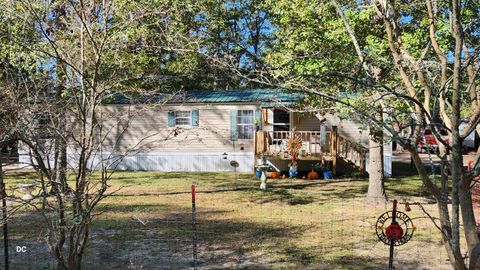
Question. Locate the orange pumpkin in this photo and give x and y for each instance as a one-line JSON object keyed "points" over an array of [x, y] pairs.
{"points": [[312, 175], [274, 175]]}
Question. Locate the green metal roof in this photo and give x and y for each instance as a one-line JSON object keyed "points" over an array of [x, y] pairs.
{"points": [[266, 97]]}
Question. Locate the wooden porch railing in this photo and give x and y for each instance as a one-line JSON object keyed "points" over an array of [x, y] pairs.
{"points": [[275, 142], [314, 144]]}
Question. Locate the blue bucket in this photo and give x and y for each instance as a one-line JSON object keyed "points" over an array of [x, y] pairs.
{"points": [[327, 175]]}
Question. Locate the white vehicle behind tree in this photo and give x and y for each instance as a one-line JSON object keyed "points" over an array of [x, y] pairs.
{"points": [[470, 141]]}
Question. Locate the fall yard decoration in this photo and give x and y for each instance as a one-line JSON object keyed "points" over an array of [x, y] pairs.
{"points": [[294, 144]]}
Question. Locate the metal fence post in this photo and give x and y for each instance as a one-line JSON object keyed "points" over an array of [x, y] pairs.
{"points": [[3, 193]]}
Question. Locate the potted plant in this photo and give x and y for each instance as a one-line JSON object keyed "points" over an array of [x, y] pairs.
{"points": [[256, 122], [292, 169], [327, 173]]}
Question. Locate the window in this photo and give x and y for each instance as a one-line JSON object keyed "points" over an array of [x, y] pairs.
{"points": [[182, 118], [245, 125]]}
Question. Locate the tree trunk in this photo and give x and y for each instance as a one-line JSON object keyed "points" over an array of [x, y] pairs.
{"points": [[61, 154], [74, 261], [468, 218], [453, 252], [78, 238], [376, 188], [456, 167]]}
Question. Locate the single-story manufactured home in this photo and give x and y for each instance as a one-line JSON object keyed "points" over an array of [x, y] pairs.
{"points": [[207, 130]]}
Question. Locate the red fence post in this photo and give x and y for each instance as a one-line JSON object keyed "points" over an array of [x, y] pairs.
{"points": [[194, 229], [392, 243]]}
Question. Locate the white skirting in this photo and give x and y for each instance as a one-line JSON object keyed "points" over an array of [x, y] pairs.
{"points": [[167, 162]]}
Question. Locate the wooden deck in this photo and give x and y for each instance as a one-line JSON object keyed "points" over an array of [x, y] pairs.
{"points": [[315, 146]]}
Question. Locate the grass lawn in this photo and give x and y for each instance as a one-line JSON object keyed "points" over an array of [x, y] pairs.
{"points": [[296, 224]]}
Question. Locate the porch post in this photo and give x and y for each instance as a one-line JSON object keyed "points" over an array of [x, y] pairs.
{"points": [[254, 151], [334, 144], [255, 143], [362, 159]]}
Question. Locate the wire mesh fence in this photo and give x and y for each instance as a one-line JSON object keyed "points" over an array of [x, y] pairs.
{"points": [[294, 224], [308, 231], [476, 202]]}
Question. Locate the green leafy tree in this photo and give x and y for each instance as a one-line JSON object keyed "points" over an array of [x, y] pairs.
{"points": [[412, 61], [216, 43], [314, 50]]}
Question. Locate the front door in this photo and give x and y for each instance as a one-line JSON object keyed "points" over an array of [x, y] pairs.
{"points": [[281, 120]]}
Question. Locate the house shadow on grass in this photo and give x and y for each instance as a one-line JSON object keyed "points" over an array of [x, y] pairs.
{"points": [[302, 193], [279, 195]]}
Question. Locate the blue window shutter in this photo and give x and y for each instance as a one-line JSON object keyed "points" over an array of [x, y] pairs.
{"points": [[194, 117], [171, 118], [233, 125], [258, 118]]}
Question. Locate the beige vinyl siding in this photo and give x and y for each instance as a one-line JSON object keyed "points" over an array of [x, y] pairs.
{"points": [[353, 131], [346, 128], [147, 129], [302, 121], [306, 121]]}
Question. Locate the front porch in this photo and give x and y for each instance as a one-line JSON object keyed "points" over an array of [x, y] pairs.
{"points": [[327, 148]]}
